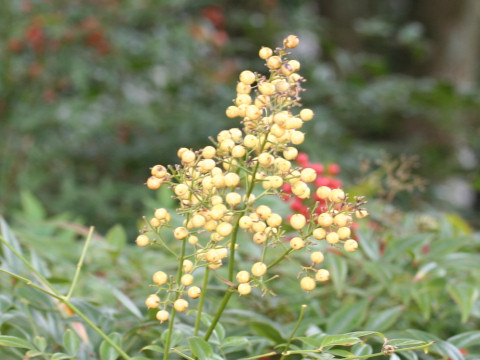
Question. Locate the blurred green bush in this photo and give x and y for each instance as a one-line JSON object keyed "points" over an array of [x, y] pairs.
{"points": [[93, 93]]}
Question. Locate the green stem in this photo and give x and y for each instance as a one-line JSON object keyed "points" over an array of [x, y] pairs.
{"points": [[172, 317], [80, 263], [284, 255], [219, 313], [201, 300], [418, 347], [30, 283], [300, 317]]}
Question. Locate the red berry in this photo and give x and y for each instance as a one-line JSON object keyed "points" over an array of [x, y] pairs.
{"points": [[334, 183], [317, 167], [334, 169], [322, 181], [302, 159]]}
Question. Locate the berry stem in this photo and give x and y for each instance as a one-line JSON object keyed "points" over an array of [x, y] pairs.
{"points": [[300, 317], [172, 317], [80, 263], [219, 313], [201, 300], [283, 256]]}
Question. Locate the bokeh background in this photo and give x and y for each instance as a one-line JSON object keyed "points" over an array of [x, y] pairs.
{"points": [[93, 93]]}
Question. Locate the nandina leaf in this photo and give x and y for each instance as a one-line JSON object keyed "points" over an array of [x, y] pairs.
{"points": [[200, 348]]}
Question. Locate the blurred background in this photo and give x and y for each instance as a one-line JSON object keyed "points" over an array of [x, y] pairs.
{"points": [[94, 93]]}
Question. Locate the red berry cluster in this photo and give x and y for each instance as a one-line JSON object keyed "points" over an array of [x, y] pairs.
{"points": [[325, 177]]}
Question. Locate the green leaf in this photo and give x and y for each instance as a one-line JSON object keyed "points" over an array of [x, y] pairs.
{"points": [[440, 347], [13, 341], [370, 246], [340, 352], [154, 348], [13, 262], [466, 339], [400, 246], [423, 297], [32, 207], [234, 341], [71, 342], [337, 266], [107, 352], [384, 320], [117, 238], [405, 342], [60, 356], [348, 317], [366, 333], [465, 296], [219, 330], [343, 339], [125, 301], [267, 331], [361, 349], [40, 343], [200, 348]]}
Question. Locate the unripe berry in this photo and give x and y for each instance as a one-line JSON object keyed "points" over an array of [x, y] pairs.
{"points": [[258, 226], [187, 280], [323, 192], [192, 240], [266, 88], [232, 112], [290, 153], [259, 269], [337, 195], [247, 77], [307, 283], [161, 213], [188, 156], [297, 137], [361, 213], [181, 189], [350, 245], [332, 238], [238, 151], [287, 69], [243, 99], [263, 211], [274, 220], [181, 151], [259, 238], [319, 233], [245, 222], [244, 289], [298, 221], [233, 198], [322, 275], [265, 53], [306, 114], [160, 278], [299, 188], [215, 265], [152, 301], [154, 183], [344, 233], [243, 88], [340, 219], [243, 277], [265, 159], [212, 256], [194, 292], [250, 141], [231, 179], [162, 315], [274, 62], [187, 266], [317, 257], [180, 233], [142, 240], [291, 41], [297, 243], [325, 220], [308, 175], [209, 152], [224, 229], [253, 112], [159, 171], [180, 305], [295, 66]]}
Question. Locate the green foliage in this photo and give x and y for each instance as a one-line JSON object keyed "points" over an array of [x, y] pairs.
{"points": [[387, 281]]}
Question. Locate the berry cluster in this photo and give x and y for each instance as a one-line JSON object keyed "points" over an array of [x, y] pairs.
{"points": [[221, 188]]}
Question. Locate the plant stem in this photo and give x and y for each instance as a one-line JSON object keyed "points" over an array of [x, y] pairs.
{"points": [[201, 300], [300, 317], [224, 303], [418, 347], [172, 317], [283, 256], [80, 263]]}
